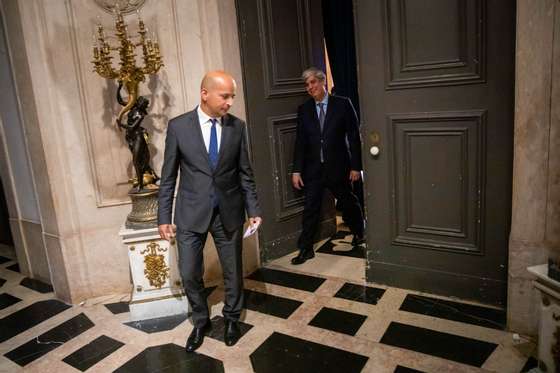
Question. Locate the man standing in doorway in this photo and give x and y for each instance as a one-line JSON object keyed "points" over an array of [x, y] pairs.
{"points": [[216, 187], [323, 159]]}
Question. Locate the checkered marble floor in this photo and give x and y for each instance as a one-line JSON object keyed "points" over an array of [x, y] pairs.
{"points": [[318, 317]]}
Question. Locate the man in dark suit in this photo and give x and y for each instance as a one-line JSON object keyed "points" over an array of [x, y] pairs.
{"points": [[216, 187], [327, 155]]}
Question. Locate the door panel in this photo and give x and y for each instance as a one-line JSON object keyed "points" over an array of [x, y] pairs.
{"points": [[436, 81], [279, 39], [424, 178], [427, 49]]}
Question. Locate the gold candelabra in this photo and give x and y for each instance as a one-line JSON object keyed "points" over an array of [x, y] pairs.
{"points": [[129, 75]]}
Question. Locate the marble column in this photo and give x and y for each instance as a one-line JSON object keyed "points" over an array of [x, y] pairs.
{"points": [[21, 170], [536, 196]]}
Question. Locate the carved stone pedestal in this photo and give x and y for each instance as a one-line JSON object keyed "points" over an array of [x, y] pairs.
{"points": [[157, 289], [549, 319]]}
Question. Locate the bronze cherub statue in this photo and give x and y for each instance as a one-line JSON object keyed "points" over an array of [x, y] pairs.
{"points": [[137, 139]]}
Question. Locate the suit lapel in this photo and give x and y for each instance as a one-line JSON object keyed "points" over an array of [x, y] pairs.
{"points": [[224, 139], [312, 108], [329, 113], [199, 139]]}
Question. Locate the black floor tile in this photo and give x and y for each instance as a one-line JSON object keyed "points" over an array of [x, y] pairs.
{"points": [[50, 340], [347, 249], [171, 358], [448, 346], [14, 267], [282, 353], [360, 293], [446, 309], [218, 328], [36, 285], [530, 364], [338, 321], [6, 300], [158, 324], [287, 279], [2, 282], [28, 317], [92, 353], [401, 369], [270, 304], [3, 259], [118, 307]]}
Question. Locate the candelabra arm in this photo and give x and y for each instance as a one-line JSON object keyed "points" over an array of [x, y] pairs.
{"points": [[132, 89]]}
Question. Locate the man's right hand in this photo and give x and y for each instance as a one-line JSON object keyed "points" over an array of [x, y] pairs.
{"points": [[166, 231], [297, 181]]}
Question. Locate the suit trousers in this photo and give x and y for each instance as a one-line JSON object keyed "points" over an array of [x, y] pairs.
{"points": [[191, 266], [342, 191]]}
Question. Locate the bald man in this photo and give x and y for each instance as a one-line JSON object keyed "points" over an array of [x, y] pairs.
{"points": [[215, 190]]}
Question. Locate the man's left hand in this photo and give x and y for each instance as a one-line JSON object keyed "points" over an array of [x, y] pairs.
{"points": [[355, 175]]}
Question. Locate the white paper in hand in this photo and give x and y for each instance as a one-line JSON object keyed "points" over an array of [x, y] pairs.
{"points": [[251, 229]]}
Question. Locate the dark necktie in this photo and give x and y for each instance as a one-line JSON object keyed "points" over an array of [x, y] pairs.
{"points": [[321, 115], [213, 146], [321, 124]]}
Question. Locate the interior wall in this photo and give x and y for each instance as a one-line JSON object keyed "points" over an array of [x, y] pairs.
{"points": [[86, 161]]}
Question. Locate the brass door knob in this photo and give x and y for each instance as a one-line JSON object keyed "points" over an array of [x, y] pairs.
{"points": [[375, 141]]}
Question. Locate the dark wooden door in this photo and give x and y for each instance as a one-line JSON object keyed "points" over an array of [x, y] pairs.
{"points": [[436, 81], [279, 39]]}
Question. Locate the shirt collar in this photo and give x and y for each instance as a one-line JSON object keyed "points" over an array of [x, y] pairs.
{"points": [[205, 118], [324, 101]]}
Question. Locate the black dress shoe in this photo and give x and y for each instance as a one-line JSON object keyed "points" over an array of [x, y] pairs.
{"points": [[303, 256], [358, 240], [197, 337], [231, 333]]}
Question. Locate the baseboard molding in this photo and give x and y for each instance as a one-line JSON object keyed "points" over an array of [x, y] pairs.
{"points": [[483, 290]]}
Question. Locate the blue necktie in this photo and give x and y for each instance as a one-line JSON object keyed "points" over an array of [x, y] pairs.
{"points": [[213, 147], [213, 155]]}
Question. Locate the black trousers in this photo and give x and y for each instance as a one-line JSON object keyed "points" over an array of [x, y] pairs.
{"points": [[191, 266], [342, 191]]}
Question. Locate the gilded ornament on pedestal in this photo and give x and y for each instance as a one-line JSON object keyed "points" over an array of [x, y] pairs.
{"points": [[156, 270]]}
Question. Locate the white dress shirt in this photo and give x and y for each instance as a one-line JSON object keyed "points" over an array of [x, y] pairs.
{"points": [[206, 127], [325, 102]]}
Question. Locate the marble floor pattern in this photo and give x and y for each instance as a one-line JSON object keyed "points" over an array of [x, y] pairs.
{"points": [[317, 317]]}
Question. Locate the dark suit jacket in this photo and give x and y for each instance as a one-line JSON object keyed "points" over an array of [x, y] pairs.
{"points": [[341, 122], [232, 180]]}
